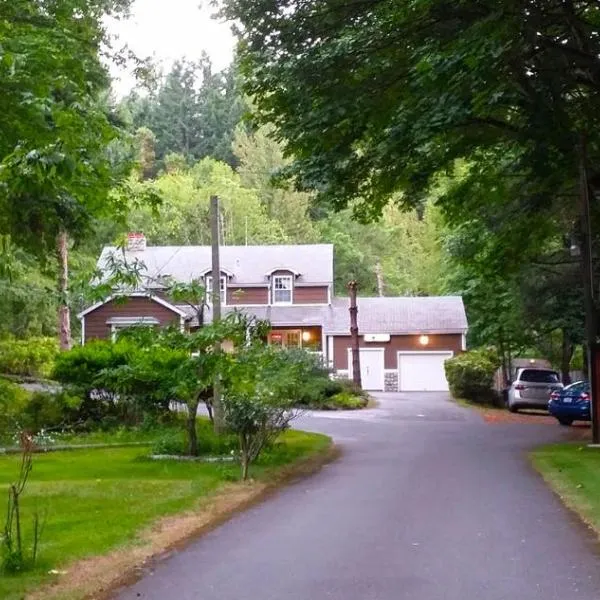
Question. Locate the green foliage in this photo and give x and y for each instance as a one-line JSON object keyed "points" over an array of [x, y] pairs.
{"points": [[345, 401], [50, 411], [260, 385], [31, 357], [171, 444], [470, 375], [55, 167], [184, 215], [13, 402], [192, 113]]}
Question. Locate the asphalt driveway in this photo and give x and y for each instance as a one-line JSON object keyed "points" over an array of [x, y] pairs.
{"points": [[428, 502]]}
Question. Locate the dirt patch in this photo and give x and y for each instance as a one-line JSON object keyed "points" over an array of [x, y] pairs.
{"points": [[97, 578], [494, 415]]}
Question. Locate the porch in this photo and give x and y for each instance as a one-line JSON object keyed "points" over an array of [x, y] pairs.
{"points": [[309, 337]]}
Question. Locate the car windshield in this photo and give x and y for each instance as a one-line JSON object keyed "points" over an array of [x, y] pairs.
{"points": [[539, 376]]}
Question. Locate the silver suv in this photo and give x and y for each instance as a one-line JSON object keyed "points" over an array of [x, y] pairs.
{"points": [[532, 389]]}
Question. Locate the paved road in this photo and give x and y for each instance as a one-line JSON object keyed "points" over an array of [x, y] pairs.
{"points": [[427, 503]]}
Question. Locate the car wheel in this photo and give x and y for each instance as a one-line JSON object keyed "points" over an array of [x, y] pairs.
{"points": [[565, 421], [513, 408]]}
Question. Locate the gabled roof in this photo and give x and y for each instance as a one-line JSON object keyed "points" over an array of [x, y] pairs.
{"points": [[401, 315], [176, 309], [246, 264]]}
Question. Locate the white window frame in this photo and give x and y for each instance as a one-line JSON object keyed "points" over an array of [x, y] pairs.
{"points": [[277, 278], [125, 323], [223, 289]]}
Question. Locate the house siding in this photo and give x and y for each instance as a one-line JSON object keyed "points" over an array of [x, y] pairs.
{"points": [[341, 343], [311, 295], [96, 326], [239, 296]]}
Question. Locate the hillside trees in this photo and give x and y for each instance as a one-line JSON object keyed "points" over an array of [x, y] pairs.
{"points": [[193, 112]]}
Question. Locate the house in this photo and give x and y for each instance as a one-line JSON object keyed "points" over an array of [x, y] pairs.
{"points": [[404, 341]]}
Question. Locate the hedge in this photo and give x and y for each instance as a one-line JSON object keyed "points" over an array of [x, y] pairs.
{"points": [[32, 357], [470, 376]]}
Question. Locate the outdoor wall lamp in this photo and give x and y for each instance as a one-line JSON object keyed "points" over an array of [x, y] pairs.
{"points": [[306, 336], [424, 340]]}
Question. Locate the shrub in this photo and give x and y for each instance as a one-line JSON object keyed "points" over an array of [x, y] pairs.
{"points": [[470, 375], [345, 401], [47, 410], [13, 400], [33, 357], [171, 443]]}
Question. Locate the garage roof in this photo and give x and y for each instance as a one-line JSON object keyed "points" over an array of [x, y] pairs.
{"points": [[393, 315], [401, 315]]}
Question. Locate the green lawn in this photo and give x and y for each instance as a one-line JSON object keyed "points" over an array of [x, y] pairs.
{"points": [[96, 500], [573, 471]]}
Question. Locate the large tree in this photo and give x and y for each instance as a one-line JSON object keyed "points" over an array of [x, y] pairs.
{"points": [[372, 96], [56, 171]]}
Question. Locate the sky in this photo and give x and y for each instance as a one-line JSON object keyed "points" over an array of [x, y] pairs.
{"points": [[168, 30]]}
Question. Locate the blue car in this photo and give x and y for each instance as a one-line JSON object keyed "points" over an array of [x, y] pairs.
{"points": [[571, 403]]}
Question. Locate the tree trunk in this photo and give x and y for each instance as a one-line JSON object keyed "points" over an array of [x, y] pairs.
{"points": [[191, 428], [244, 457], [565, 359], [64, 313], [352, 287]]}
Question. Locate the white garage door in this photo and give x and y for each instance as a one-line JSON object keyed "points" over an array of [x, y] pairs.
{"points": [[371, 368], [422, 371]]}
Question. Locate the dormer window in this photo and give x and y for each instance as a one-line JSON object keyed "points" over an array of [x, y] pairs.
{"points": [[208, 283], [283, 286]]}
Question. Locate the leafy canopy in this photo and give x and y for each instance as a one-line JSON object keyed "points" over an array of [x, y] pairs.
{"points": [[373, 96]]}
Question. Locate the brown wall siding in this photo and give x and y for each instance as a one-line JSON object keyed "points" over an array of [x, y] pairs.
{"points": [[310, 295], [95, 322], [397, 343], [248, 295]]}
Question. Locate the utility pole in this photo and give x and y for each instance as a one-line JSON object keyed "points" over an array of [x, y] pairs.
{"points": [[216, 305], [352, 287], [587, 266]]}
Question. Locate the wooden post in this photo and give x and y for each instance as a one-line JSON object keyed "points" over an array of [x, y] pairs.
{"points": [[218, 418], [587, 267], [352, 287]]}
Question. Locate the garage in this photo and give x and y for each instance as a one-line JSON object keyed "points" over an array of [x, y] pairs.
{"points": [[371, 368], [422, 371]]}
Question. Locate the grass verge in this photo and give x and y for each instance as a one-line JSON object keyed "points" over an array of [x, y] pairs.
{"points": [[572, 470], [116, 501]]}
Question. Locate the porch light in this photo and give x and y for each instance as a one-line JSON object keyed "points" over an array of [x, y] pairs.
{"points": [[306, 336], [424, 340]]}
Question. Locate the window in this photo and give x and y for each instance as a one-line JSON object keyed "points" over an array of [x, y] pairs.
{"points": [[282, 289], [118, 324], [539, 376], [290, 338], [223, 289]]}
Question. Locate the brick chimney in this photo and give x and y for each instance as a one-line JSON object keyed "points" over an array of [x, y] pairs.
{"points": [[136, 242]]}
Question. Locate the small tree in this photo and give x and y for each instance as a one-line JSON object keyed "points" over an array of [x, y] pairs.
{"points": [[183, 366], [261, 384], [14, 558]]}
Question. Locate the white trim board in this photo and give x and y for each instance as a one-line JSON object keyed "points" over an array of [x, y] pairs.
{"points": [[156, 299]]}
